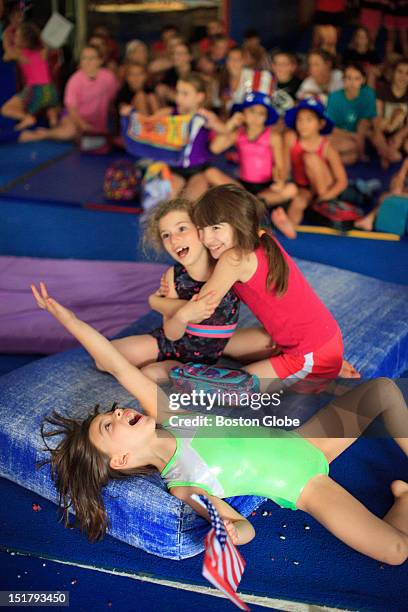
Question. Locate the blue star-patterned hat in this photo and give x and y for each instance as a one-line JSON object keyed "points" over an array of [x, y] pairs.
{"points": [[255, 97], [313, 105]]}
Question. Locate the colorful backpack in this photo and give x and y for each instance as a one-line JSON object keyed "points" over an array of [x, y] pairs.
{"points": [[121, 181], [167, 139], [213, 379]]}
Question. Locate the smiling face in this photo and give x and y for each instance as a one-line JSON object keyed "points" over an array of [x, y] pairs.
{"points": [[90, 61], [122, 432], [283, 67], [400, 76], [218, 238], [180, 237]]}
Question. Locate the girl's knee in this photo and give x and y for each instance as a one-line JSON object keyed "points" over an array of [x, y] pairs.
{"points": [[396, 553], [291, 191]]}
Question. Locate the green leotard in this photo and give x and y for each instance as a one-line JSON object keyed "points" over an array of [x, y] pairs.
{"points": [[227, 461]]}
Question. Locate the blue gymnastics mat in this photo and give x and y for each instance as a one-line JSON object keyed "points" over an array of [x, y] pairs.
{"points": [[19, 160], [76, 179]]}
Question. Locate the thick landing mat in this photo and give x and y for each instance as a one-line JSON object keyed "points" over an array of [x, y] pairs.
{"points": [[20, 161], [108, 295]]}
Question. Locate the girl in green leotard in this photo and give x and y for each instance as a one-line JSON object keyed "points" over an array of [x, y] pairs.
{"points": [[290, 468]]}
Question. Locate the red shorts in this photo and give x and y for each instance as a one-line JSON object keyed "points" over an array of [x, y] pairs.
{"points": [[324, 363]]}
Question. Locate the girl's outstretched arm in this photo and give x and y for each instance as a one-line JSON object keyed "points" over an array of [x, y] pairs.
{"points": [[103, 351], [238, 527]]}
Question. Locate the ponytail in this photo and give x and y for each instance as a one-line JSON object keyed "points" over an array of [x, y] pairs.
{"points": [[278, 270]]}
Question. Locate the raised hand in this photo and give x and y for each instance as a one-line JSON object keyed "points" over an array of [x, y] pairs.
{"points": [[45, 302]]}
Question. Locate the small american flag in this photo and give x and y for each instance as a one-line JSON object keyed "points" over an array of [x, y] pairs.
{"points": [[223, 565]]}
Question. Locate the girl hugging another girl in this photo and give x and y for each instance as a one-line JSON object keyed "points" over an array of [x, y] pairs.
{"points": [[307, 337], [193, 329]]}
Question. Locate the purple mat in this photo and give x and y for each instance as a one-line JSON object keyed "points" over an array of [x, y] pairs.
{"points": [[107, 295]]}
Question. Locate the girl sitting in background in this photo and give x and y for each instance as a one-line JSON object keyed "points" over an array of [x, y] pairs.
{"points": [[352, 111], [135, 91], [87, 100], [391, 129], [323, 79], [317, 169], [260, 154], [38, 93], [361, 50]]}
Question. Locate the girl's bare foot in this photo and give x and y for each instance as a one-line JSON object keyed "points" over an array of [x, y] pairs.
{"points": [[399, 488], [33, 135], [348, 371], [366, 223], [26, 122], [281, 220]]}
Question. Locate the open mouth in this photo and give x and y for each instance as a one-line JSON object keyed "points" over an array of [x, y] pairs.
{"points": [[182, 252], [135, 419]]}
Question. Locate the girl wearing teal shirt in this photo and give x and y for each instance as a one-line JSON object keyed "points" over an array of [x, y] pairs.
{"points": [[289, 467], [352, 110]]}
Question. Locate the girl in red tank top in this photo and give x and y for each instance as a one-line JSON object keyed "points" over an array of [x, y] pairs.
{"points": [[316, 166], [267, 280]]}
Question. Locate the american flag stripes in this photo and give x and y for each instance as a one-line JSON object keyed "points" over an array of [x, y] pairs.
{"points": [[223, 565]]}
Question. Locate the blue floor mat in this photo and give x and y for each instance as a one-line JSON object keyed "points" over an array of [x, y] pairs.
{"points": [[76, 179], [292, 557], [96, 591], [18, 160]]}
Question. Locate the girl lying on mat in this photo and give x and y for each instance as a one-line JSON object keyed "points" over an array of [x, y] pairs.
{"points": [[193, 329], [290, 468]]}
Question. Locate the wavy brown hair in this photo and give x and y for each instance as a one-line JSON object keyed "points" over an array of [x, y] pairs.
{"points": [[244, 212], [80, 471], [151, 235]]}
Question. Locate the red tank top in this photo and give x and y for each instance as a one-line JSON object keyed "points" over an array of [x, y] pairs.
{"points": [[298, 321], [296, 158]]}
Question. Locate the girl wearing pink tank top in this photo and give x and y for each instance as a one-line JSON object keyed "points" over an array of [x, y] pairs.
{"points": [[307, 337], [316, 166], [38, 92], [260, 153]]}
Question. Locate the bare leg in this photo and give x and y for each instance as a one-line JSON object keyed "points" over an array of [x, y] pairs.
{"points": [[249, 345], [216, 177], [275, 195], [318, 173], [138, 350], [65, 130], [282, 222], [345, 517], [346, 146], [334, 428], [14, 109], [348, 416], [159, 372], [196, 186], [298, 206], [178, 183]]}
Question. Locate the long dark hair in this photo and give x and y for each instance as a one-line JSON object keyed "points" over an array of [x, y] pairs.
{"points": [[80, 471], [244, 212]]}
